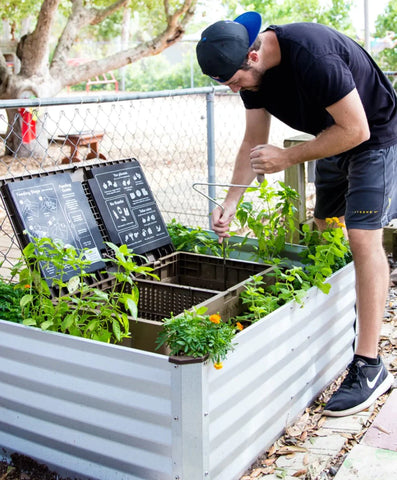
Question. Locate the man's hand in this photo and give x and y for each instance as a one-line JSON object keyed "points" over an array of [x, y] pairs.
{"points": [[268, 159], [220, 221]]}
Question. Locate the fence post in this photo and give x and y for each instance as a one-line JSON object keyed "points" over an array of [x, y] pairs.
{"points": [[210, 151], [295, 177]]}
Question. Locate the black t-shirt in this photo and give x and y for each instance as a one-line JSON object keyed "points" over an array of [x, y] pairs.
{"points": [[320, 66]]}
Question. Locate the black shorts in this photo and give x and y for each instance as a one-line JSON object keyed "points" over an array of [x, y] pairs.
{"points": [[362, 187]]}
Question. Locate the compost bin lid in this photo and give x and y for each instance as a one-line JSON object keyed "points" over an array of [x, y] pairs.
{"points": [[127, 207], [85, 206]]}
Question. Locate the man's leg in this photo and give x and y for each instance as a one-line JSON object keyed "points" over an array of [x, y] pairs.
{"points": [[367, 377], [372, 282]]}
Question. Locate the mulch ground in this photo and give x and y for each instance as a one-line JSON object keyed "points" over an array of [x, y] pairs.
{"points": [[21, 467]]}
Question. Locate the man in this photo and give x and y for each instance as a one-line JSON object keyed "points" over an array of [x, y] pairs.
{"points": [[319, 81]]}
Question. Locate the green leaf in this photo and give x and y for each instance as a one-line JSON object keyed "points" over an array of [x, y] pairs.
{"points": [[73, 284], [46, 325], [132, 307], [116, 329], [29, 322], [25, 300]]}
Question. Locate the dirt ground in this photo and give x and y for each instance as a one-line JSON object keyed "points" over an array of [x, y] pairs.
{"points": [[21, 467]]}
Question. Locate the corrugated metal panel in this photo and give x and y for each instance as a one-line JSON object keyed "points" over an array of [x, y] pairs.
{"points": [[278, 367], [110, 412], [92, 409]]}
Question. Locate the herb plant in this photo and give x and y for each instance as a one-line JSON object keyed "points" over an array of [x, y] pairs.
{"points": [[73, 306], [195, 334], [195, 240], [273, 225], [10, 296]]}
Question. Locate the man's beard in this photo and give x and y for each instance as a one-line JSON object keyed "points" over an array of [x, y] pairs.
{"points": [[257, 77]]}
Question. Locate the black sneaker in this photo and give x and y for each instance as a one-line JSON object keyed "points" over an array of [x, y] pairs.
{"points": [[363, 384]]}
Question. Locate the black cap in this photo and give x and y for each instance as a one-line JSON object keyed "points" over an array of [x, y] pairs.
{"points": [[224, 45]]}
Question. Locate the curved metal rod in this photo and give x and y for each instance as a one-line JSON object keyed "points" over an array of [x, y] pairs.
{"points": [[218, 185]]}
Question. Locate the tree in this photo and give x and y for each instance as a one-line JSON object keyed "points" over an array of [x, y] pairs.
{"points": [[45, 76], [43, 73]]}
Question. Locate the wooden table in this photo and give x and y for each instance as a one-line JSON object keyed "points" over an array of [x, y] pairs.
{"points": [[83, 139]]}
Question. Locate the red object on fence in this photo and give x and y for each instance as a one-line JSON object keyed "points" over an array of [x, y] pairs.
{"points": [[28, 126]]}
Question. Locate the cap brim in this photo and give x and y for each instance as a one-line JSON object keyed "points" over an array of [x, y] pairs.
{"points": [[252, 21]]}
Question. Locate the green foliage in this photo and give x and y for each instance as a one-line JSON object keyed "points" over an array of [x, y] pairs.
{"points": [[195, 334], [387, 22], [10, 297], [156, 73], [334, 14], [327, 252], [78, 309], [196, 240], [272, 225]]}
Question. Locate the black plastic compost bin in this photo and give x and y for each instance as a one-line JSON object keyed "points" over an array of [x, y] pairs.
{"points": [[94, 203]]}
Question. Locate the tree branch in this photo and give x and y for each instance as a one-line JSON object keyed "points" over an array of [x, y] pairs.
{"points": [[33, 48], [99, 15], [64, 74]]}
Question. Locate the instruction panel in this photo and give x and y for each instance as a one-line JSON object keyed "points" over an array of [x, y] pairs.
{"points": [[127, 206], [56, 207]]}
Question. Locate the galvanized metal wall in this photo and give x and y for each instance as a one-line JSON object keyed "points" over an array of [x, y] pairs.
{"points": [[88, 408], [278, 367], [109, 412]]}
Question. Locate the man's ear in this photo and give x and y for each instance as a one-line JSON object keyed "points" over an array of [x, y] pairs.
{"points": [[253, 56]]}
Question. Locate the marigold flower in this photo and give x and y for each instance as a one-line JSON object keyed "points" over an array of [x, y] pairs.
{"points": [[341, 225], [218, 365], [239, 326], [329, 220], [26, 286], [215, 318], [335, 219]]}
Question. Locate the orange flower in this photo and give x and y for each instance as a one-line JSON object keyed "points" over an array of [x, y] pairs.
{"points": [[215, 318], [218, 365], [26, 286], [239, 326]]}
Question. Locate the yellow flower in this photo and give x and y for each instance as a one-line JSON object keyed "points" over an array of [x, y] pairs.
{"points": [[215, 318], [335, 219], [329, 220], [218, 365], [239, 326], [341, 225]]}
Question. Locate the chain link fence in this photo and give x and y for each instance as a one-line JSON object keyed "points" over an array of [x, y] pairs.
{"points": [[180, 137]]}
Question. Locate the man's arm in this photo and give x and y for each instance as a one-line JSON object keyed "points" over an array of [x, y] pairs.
{"points": [[349, 130], [256, 132]]}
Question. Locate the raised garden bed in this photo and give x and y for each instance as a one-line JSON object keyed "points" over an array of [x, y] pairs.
{"points": [[108, 412], [96, 410]]}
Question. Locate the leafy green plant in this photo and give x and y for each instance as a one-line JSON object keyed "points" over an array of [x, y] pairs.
{"points": [[10, 296], [327, 252], [194, 240], [272, 225], [77, 308], [195, 334], [262, 296]]}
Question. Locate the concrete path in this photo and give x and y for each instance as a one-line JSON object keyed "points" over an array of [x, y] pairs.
{"points": [[375, 457]]}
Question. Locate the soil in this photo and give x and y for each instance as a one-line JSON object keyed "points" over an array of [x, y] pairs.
{"points": [[21, 467]]}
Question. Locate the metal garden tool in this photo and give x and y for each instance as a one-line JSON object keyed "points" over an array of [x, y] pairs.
{"points": [[225, 241]]}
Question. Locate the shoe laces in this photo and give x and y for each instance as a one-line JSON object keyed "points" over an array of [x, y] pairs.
{"points": [[353, 376]]}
